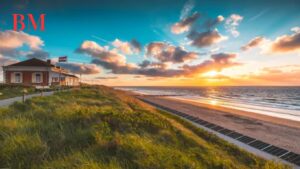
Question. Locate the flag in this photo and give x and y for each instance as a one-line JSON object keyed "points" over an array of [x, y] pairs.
{"points": [[63, 59]]}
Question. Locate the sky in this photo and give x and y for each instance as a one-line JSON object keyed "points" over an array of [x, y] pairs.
{"points": [[161, 42]]}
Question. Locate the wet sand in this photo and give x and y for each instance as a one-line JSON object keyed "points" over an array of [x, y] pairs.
{"points": [[279, 132]]}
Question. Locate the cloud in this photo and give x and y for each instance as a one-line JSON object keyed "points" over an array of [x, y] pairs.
{"points": [[154, 69], [107, 77], [296, 29], [149, 64], [145, 63], [223, 57], [279, 75], [109, 59], [155, 48], [136, 45], [157, 69], [40, 54], [12, 40], [211, 23], [169, 53], [286, 43], [185, 24], [187, 8], [186, 70], [217, 62], [137, 77], [80, 68], [205, 39], [15, 39], [102, 53], [158, 72], [123, 47], [253, 43], [116, 68], [232, 23], [10, 52], [92, 46], [6, 61], [282, 44], [127, 48]]}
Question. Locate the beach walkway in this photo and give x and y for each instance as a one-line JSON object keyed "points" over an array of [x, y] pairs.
{"points": [[7, 102], [257, 141]]}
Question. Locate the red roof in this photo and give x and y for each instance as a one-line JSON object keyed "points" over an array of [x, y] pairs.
{"points": [[33, 62]]}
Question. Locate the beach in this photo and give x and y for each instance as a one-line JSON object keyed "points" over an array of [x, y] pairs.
{"points": [[280, 132]]}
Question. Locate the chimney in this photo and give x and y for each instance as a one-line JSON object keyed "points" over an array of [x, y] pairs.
{"points": [[49, 61]]}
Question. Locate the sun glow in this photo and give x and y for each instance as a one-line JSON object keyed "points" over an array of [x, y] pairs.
{"points": [[213, 102], [211, 74]]}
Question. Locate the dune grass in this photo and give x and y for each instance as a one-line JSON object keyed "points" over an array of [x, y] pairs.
{"points": [[9, 91], [97, 127]]}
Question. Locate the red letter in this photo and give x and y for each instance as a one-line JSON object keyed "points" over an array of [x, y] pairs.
{"points": [[16, 21], [41, 21]]}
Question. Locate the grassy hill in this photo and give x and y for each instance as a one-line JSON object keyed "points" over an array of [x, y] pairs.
{"points": [[97, 127], [9, 91]]}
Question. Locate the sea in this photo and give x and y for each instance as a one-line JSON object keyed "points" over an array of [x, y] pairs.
{"points": [[282, 102]]}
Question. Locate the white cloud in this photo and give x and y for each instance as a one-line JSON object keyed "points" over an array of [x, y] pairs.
{"points": [[103, 53], [12, 40], [127, 48], [187, 8], [296, 29], [184, 24], [232, 23]]}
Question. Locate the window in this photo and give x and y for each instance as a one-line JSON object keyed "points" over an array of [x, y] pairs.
{"points": [[37, 78], [18, 78]]}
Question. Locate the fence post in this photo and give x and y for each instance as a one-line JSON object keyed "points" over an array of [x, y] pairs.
{"points": [[24, 93]]}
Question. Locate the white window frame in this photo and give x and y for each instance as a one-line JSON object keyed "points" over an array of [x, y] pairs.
{"points": [[13, 80], [34, 79]]}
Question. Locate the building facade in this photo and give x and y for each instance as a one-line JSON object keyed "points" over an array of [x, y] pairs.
{"points": [[35, 72]]}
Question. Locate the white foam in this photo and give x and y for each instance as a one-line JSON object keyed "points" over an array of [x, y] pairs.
{"points": [[270, 111]]}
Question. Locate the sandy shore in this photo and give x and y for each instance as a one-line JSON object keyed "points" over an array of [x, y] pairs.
{"points": [[280, 132]]}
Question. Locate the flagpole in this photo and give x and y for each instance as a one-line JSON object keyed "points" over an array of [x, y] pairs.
{"points": [[3, 74], [80, 80], [61, 59], [59, 78]]}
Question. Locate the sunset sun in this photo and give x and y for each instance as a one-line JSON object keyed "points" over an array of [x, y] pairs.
{"points": [[212, 73]]}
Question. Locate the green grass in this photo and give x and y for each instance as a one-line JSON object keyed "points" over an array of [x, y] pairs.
{"points": [[97, 127], [9, 91]]}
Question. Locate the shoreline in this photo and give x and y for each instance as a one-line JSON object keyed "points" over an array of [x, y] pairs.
{"points": [[258, 116], [277, 112], [280, 132]]}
